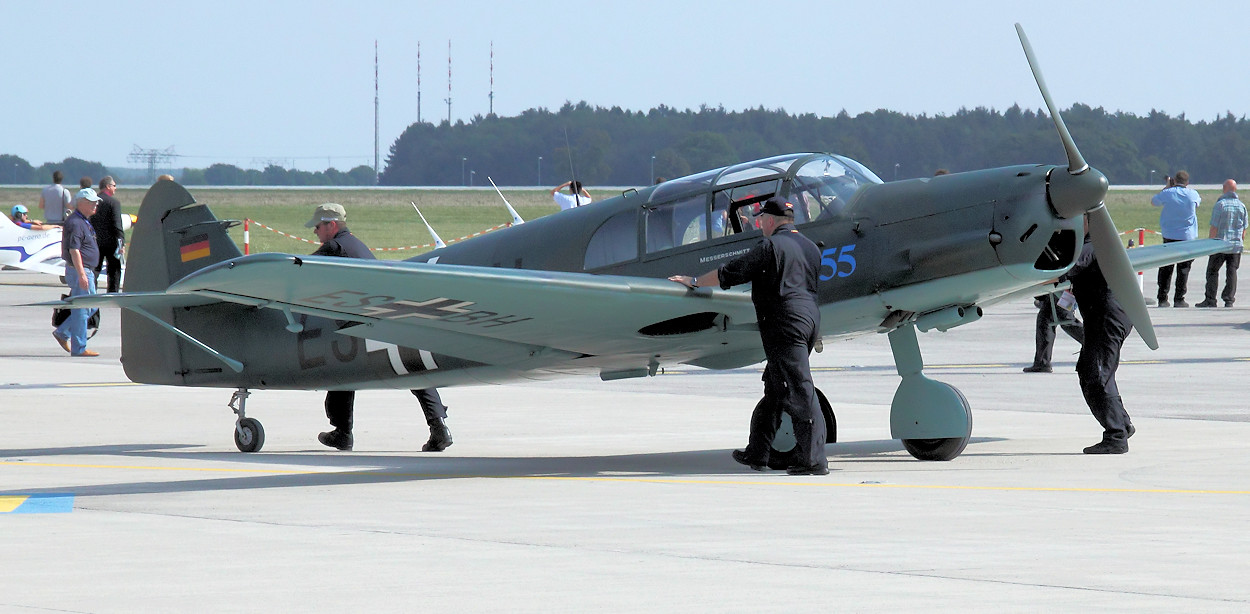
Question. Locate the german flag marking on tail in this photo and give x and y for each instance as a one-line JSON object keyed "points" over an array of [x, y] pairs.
{"points": [[194, 248]]}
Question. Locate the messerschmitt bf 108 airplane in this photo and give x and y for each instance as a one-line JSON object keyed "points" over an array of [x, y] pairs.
{"points": [[584, 290]]}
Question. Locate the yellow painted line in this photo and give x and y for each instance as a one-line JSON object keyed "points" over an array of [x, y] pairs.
{"points": [[152, 468], [1143, 362], [9, 503], [810, 482]]}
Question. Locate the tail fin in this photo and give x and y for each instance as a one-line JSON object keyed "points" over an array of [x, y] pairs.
{"points": [[175, 236]]}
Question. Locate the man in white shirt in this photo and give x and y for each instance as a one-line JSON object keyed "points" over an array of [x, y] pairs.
{"points": [[55, 200], [577, 196]]}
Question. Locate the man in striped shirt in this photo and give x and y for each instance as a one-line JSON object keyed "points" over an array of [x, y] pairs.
{"points": [[1228, 222]]}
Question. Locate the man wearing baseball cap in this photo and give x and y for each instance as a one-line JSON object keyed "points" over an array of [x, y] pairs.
{"points": [[329, 221], [783, 270], [81, 255]]}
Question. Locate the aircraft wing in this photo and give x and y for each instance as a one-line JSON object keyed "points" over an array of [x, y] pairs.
{"points": [[491, 315], [1154, 256], [1142, 259]]}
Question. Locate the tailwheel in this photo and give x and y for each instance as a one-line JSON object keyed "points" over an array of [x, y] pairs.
{"points": [[249, 435]]}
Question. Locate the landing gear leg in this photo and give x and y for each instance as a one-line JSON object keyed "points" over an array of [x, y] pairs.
{"points": [[932, 418], [249, 435]]}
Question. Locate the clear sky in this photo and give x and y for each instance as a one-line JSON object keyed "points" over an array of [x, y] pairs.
{"points": [[293, 82]]}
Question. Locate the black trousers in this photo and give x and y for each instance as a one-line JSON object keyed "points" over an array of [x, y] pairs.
{"points": [[1044, 335], [108, 257], [1230, 264], [1182, 278], [340, 407], [1096, 367], [788, 388]]}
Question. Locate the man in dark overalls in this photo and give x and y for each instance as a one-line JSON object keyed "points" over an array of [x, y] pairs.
{"points": [[329, 221], [783, 270], [1106, 327]]}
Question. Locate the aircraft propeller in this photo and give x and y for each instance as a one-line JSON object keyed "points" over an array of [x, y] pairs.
{"points": [[1083, 190]]}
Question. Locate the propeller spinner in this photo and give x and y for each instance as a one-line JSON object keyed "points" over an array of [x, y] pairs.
{"points": [[1082, 190]]}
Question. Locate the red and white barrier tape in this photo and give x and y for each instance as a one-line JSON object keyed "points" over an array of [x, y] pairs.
{"points": [[249, 221]]}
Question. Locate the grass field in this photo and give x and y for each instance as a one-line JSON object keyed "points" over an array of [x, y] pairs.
{"points": [[384, 218]]}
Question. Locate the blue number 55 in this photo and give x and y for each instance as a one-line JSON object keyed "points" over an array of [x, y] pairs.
{"points": [[834, 258]]}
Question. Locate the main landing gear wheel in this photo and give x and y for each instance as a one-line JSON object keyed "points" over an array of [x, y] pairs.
{"points": [[783, 443], [249, 435], [943, 448]]}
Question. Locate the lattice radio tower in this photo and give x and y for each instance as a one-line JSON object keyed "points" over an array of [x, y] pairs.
{"points": [[448, 101], [376, 142], [492, 78], [152, 158], [418, 82]]}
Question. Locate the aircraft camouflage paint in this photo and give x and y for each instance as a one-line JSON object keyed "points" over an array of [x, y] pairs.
{"points": [[584, 290]]}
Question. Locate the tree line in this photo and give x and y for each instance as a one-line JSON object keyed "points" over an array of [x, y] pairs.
{"points": [[619, 147], [613, 146]]}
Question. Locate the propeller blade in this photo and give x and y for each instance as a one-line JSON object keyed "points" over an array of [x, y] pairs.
{"points": [[1118, 271], [1076, 163]]}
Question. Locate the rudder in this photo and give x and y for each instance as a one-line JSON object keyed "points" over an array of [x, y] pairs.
{"points": [[174, 237]]}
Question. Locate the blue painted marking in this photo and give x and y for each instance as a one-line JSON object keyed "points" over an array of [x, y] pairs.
{"points": [[47, 504], [21, 251]]}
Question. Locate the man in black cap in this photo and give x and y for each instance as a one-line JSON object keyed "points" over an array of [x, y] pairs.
{"points": [[783, 270], [1106, 327], [329, 221]]}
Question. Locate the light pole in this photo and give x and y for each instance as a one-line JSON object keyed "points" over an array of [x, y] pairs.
{"points": [[472, 174], [1152, 176], [652, 170], [462, 161], [540, 170], [896, 171]]}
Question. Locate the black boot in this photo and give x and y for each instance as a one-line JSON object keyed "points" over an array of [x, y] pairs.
{"points": [[338, 438], [809, 454], [440, 437]]}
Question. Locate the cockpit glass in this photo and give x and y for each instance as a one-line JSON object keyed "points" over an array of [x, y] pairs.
{"points": [[823, 187], [759, 168], [683, 185]]}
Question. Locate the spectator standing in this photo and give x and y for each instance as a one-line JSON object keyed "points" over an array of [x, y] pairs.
{"points": [[577, 196], [81, 254], [1228, 222], [107, 222], [1179, 222], [55, 200]]}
